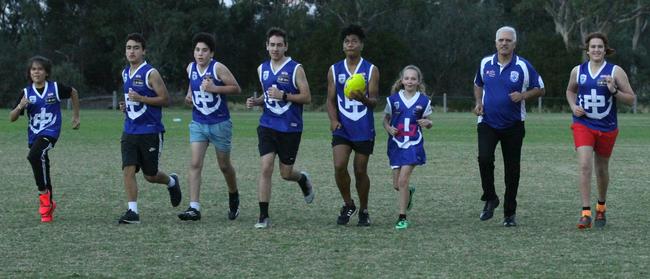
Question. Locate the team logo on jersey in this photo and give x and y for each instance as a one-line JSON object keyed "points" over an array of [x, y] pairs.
{"points": [[514, 76], [406, 131], [194, 75], [265, 75], [350, 108], [50, 99], [593, 102], [131, 110], [396, 105], [125, 76], [342, 78], [583, 78], [490, 73], [202, 101], [138, 81], [284, 78], [41, 121], [32, 99]]}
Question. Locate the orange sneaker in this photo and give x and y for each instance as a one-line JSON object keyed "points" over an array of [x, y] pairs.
{"points": [[585, 220]]}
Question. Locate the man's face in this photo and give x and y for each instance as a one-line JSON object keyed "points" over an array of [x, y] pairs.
{"points": [[202, 53], [505, 43], [352, 45], [276, 46], [134, 52], [596, 49]]}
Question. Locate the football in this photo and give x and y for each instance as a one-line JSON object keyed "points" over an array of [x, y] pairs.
{"points": [[355, 82]]}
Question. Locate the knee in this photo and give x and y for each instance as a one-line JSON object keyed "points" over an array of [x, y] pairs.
{"points": [[33, 157], [360, 172], [340, 168], [485, 159], [150, 178], [286, 174], [226, 168], [196, 166], [585, 168]]}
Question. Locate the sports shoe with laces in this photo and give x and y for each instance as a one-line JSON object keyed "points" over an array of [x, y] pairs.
{"points": [[263, 223], [584, 222], [129, 217], [364, 218], [190, 214], [600, 219], [309, 198], [175, 191], [346, 213], [488, 209], [46, 207], [233, 213], [411, 192], [509, 221], [402, 224]]}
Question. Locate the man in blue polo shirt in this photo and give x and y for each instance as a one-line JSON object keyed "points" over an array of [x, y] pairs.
{"points": [[502, 84]]}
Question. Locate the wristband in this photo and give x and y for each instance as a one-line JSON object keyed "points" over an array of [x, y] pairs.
{"points": [[284, 96]]}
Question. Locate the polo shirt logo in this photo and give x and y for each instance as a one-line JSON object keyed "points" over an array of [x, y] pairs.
{"points": [[514, 76], [490, 73]]}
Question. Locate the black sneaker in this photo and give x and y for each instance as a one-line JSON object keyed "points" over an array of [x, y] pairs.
{"points": [[364, 218], [233, 210], [488, 209], [175, 191], [509, 221], [346, 213], [191, 214], [129, 217]]}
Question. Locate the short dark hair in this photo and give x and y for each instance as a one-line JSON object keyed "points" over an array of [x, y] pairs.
{"points": [[276, 31], [46, 63], [353, 29], [205, 38], [138, 38], [601, 36]]}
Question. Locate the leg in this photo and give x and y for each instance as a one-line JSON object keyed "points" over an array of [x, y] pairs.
{"points": [[264, 185], [223, 160], [585, 167], [511, 143], [601, 164], [196, 167], [130, 184], [403, 186], [341, 155], [487, 143], [40, 162], [361, 178]]}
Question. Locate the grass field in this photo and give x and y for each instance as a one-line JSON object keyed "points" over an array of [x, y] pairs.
{"points": [[446, 238]]}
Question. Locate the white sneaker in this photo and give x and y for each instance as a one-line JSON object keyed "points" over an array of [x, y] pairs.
{"points": [[263, 224], [309, 198]]}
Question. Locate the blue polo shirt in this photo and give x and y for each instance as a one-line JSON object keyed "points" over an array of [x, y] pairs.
{"points": [[498, 81]]}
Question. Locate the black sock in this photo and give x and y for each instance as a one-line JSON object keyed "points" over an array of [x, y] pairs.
{"points": [[402, 217], [586, 208], [264, 210], [302, 182], [601, 202], [233, 200]]}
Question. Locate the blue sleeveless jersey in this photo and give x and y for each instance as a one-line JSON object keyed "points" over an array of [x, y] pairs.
{"points": [[594, 97], [208, 108], [280, 115], [44, 112], [407, 147], [357, 121], [140, 118]]}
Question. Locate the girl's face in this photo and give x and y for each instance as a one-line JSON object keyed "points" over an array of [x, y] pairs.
{"points": [[596, 50], [37, 73], [410, 80]]}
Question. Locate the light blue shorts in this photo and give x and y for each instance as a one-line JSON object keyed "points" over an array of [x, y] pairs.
{"points": [[220, 134]]}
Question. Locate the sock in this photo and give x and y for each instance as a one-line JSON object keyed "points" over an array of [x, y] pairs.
{"points": [[171, 182], [195, 205], [302, 182], [586, 211], [601, 206], [133, 206], [402, 217], [233, 200], [264, 209]]}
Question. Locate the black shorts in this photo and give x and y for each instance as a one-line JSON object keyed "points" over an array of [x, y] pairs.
{"points": [[284, 144], [363, 147], [142, 151]]}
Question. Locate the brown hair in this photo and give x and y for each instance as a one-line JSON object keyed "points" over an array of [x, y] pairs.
{"points": [[598, 35]]}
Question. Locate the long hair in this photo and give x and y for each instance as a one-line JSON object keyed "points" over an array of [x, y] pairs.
{"points": [[46, 63], [397, 85], [602, 36]]}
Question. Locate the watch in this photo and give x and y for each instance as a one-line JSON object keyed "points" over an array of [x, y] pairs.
{"points": [[284, 96]]}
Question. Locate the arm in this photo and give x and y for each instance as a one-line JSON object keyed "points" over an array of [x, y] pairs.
{"points": [[303, 87], [620, 86], [478, 99], [373, 91], [230, 83], [425, 122], [530, 94], [332, 106], [572, 93], [74, 96], [389, 129], [256, 101], [159, 87], [15, 113]]}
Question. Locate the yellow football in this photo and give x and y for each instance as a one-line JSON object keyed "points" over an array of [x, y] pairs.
{"points": [[354, 83]]}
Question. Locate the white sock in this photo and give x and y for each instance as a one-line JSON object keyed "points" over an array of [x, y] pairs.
{"points": [[195, 205], [133, 206], [171, 181]]}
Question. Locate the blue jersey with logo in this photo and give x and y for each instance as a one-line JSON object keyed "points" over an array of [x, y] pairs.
{"points": [[280, 115], [208, 108], [594, 97], [498, 81], [140, 117], [44, 111], [407, 146], [357, 121]]}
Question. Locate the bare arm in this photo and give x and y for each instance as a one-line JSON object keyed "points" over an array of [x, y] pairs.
{"points": [[74, 96], [389, 129], [478, 99], [373, 91], [622, 86], [230, 86], [303, 87], [15, 113], [572, 94], [161, 99], [332, 106]]}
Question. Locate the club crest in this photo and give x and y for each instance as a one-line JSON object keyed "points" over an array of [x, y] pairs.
{"points": [[583, 78], [342, 78], [265, 75], [194, 75], [514, 76]]}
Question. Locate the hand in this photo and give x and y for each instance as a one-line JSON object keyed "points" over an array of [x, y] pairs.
{"points": [[357, 95], [75, 123], [578, 111], [516, 96], [134, 96], [206, 84], [275, 93], [335, 125], [188, 99], [122, 106], [425, 123], [611, 84], [392, 131], [250, 102], [478, 109], [23, 103]]}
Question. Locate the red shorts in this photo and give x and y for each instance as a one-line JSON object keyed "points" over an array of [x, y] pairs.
{"points": [[602, 142]]}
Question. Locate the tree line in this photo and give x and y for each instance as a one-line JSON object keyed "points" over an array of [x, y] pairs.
{"points": [[446, 39]]}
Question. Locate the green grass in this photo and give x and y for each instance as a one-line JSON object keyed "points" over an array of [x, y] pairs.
{"points": [[446, 238]]}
